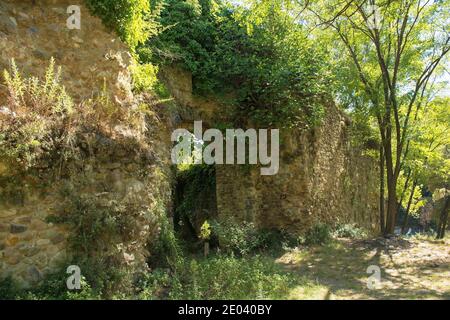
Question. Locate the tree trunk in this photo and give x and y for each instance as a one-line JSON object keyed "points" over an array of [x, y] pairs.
{"points": [[392, 196], [408, 207], [443, 219], [392, 209], [381, 165], [405, 187]]}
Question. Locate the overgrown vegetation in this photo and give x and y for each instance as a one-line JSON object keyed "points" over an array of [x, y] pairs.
{"points": [[264, 60], [42, 124], [102, 232], [222, 277], [37, 110], [130, 18], [42, 130], [268, 68], [350, 231]]}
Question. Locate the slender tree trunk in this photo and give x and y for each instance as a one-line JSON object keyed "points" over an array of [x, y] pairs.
{"points": [[405, 187], [381, 165], [391, 185], [392, 208], [443, 219], [408, 207]]}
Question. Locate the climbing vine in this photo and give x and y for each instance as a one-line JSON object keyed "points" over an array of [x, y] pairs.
{"points": [[273, 73]]}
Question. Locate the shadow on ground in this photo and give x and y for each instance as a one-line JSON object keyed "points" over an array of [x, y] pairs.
{"points": [[410, 269]]}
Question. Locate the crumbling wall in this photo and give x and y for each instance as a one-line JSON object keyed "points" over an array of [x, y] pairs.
{"points": [[113, 167], [93, 58], [321, 178]]}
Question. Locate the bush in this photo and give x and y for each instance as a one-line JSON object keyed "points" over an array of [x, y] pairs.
{"points": [[274, 73], [244, 237], [37, 109], [8, 289], [144, 77], [220, 277], [237, 237], [41, 125], [349, 231], [53, 287], [319, 234], [130, 18], [166, 251], [104, 233]]}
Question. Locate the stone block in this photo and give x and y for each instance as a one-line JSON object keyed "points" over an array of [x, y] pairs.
{"points": [[17, 228]]}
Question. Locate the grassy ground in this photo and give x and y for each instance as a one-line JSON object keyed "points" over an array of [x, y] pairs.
{"points": [[414, 268], [410, 269]]}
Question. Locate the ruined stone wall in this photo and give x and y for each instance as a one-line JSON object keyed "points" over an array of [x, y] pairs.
{"points": [[93, 57], [31, 246], [113, 167], [321, 176], [321, 179]]}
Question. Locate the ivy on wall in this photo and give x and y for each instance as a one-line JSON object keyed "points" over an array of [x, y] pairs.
{"points": [[273, 72]]}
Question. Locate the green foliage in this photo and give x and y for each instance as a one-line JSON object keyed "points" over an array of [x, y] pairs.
{"points": [[205, 231], [41, 125], [53, 287], [37, 108], [102, 230], [196, 181], [45, 96], [319, 234], [166, 250], [350, 231], [243, 238], [236, 237], [130, 18], [8, 289], [144, 77], [274, 73], [221, 277]]}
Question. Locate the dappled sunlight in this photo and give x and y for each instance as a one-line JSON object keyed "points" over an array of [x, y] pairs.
{"points": [[409, 269]]}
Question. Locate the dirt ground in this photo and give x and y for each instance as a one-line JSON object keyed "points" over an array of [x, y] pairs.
{"points": [[409, 269]]}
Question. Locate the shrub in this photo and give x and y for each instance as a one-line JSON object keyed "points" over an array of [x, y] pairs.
{"points": [[166, 250], [144, 77], [47, 97], [104, 232], [37, 110], [237, 237], [52, 287], [130, 18], [349, 231], [220, 277], [8, 289], [41, 123], [319, 234]]}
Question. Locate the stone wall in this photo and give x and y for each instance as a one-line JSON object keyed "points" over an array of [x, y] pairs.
{"points": [[92, 57], [321, 178], [29, 246], [116, 166], [115, 171]]}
